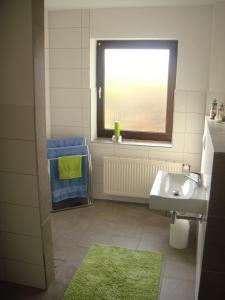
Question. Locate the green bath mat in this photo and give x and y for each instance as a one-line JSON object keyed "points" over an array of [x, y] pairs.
{"points": [[114, 273]]}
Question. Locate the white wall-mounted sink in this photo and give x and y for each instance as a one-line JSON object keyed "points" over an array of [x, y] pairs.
{"points": [[173, 191]]}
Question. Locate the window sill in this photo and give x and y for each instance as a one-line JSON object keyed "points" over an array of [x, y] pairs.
{"points": [[133, 143]]}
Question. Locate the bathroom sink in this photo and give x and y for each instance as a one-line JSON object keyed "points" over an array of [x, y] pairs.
{"points": [[173, 191]]}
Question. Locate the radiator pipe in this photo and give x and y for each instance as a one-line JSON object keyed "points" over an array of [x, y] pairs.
{"points": [[191, 217]]}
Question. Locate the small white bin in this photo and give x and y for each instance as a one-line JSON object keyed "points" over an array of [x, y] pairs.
{"points": [[179, 233]]}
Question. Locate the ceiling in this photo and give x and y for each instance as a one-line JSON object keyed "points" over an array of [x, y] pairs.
{"points": [[75, 4]]}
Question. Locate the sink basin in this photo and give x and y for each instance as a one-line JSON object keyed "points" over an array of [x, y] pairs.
{"points": [[172, 191]]}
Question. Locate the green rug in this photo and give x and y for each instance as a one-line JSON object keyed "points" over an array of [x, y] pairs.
{"points": [[114, 273]]}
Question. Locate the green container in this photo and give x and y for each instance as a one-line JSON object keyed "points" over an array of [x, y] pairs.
{"points": [[117, 128]]}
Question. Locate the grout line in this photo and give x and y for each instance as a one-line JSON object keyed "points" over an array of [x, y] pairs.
{"points": [[71, 48], [81, 69], [18, 105], [193, 153], [68, 88], [66, 28], [23, 234], [180, 279], [69, 106], [80, 127], [16, 139], [197, 113], [18, 204], [13, 233], [18, 173], [22, 261]]}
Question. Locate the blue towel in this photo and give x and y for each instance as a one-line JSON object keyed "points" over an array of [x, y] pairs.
{"points": [[66, 142], [63, 151], [68, 188]]}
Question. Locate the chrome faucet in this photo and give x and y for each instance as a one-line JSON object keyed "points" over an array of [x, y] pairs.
{"points": [[196, 177]]}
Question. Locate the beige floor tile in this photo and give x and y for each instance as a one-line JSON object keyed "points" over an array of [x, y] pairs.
{"points": [[179, 270], [173, 289], [90, 238], [121, 224], [124, 241]]}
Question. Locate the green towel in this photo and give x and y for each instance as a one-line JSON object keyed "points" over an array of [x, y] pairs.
{"points": [[70, 167]]}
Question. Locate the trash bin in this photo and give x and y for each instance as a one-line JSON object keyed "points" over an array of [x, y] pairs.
{"points": [[179, 233]]}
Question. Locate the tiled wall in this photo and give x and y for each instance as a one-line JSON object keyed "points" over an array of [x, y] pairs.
{"points": [[212, 262], [69, 72], [23, 213], [70, 109], [217, 61], [212, 280], [47, 78]]}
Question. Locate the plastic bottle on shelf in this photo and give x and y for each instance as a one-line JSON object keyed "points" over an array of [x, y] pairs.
{"points": [[213, 110], [220, 113]]}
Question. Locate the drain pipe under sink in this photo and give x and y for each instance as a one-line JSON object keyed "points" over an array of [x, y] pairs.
{"points": [[185, 216], [180, 228]]}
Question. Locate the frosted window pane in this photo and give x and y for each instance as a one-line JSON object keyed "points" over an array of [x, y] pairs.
{"points": [[136, 89]]}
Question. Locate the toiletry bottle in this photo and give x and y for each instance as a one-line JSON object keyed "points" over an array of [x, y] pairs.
{"points": [[213, 110], [220, 113], [223, 112]]}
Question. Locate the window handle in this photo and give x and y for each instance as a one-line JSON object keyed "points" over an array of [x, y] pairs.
{"points": [[99, 92]]}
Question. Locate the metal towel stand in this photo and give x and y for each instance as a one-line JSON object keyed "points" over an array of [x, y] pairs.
{"points": [[89, 193]]}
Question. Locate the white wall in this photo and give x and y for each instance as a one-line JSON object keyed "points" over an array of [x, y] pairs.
{"points": [[47, 78], [25, 256], [217, 90], [217, 60], [69, 73], [191, 26]]}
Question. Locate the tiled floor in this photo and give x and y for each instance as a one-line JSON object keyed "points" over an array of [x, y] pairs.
{"points": [[123, 224]]}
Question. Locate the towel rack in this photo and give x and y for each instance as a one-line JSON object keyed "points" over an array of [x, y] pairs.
{"points": [[89, 185], [56, 158]]}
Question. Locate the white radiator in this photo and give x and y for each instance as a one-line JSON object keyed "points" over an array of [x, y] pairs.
{"points": [[133, 177]]}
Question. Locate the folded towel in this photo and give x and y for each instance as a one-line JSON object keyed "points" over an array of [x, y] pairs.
{"points": [[66, 142], [66, 151], [70, 167], [68, 188]]}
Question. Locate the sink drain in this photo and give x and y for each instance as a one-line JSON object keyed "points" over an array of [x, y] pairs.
{"points": [[176, 193]]}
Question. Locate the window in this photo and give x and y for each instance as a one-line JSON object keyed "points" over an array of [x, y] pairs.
{"points": [[135, 85]]}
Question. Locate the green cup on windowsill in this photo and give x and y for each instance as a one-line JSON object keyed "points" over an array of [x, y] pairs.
{"points": [[117, 138], [117, 128]]}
